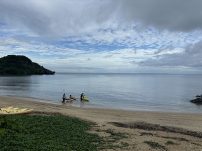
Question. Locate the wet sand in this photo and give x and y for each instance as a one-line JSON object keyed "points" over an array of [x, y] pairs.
{"points": [[176, 131]]}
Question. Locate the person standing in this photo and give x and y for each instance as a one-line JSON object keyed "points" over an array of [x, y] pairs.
{"points": [[82, 97], [64, 98]]}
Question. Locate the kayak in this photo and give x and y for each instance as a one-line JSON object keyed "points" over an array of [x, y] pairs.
{"points": [[85, 99], [14, 110]]}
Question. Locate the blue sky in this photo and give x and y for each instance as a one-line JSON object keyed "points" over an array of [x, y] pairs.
{"points": [[104, 36]]}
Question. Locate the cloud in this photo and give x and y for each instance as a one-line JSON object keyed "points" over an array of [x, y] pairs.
{"points": [[96, 53], [121, 35], [61, 17], [175, 15], [54, 17], [190, 57]]}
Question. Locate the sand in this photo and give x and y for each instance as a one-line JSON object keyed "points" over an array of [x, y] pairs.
{"points": [[136, 130]]}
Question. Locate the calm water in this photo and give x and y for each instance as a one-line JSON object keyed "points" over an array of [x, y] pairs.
{"points": [[156, 92]]}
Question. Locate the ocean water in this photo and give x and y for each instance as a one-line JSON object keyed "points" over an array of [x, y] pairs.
{"points": [[150, 92]]}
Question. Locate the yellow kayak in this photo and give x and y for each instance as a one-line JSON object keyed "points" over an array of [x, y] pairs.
{"points": [[14, 110], [85, 99]]}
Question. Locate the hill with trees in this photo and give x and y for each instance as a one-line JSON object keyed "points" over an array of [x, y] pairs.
{"points": [[21, 65]]}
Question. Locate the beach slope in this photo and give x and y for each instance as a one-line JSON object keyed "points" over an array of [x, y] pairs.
{"points": [[134, 130]]}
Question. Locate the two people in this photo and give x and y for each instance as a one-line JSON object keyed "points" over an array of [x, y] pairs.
{"points": [[71, 98]]}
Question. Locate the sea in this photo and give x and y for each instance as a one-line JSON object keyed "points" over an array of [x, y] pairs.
{"points": [[137, 92]]}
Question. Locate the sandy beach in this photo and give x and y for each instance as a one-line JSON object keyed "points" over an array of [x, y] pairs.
{"points": [[171, 131]]}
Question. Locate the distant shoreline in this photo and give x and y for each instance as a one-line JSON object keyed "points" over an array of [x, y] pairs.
{"points": [[128, 73]]}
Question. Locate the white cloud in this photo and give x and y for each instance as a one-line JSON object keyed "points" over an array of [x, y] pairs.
{"points": [[125, 35], [190, 57], [62, 17]]}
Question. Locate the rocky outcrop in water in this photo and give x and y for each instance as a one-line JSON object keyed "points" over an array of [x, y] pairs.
{"points": [[197, 100]]}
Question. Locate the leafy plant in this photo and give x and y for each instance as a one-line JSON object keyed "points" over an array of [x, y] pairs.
{"points": [[21, 132]]}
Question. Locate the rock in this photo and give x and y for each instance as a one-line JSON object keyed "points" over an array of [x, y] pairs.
{"points": [[197, 100]]}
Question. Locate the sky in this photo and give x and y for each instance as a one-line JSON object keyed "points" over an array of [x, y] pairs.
{"points": [[118, 36]]}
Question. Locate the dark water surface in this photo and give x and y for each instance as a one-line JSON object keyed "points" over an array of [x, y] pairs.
{"points": [[153, 92]]}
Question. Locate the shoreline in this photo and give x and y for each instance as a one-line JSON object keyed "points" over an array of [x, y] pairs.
{"points": [[97, 106], [134, 130], [191, 121]]}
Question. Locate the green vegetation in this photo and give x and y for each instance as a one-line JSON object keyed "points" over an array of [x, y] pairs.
{"points": [[114, 140], [46, 132], [146, 134], [21, 65], [115, 136], [170, 143], [155, 145]]}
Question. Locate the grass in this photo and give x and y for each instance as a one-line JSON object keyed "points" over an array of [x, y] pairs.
{"points": [[157, 127], [146, 134], [170, 143], [52, 132], [113, 140], [115, 136], [155, 145]]}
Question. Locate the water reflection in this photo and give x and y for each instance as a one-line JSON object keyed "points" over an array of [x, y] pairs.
{"points": [[15, 85]]}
